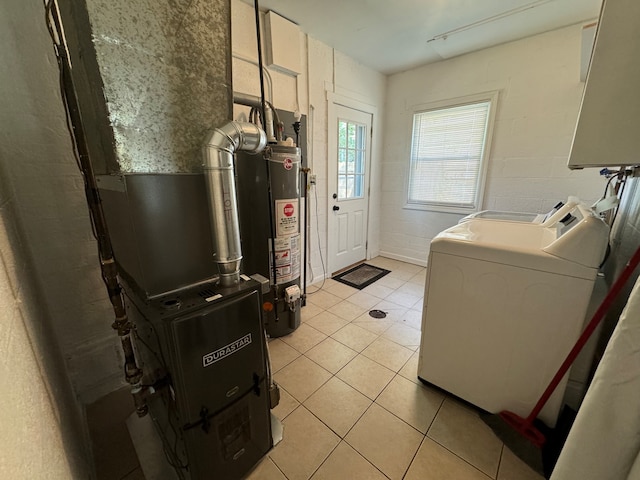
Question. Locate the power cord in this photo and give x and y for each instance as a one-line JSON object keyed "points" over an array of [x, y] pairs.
{"points": [[324, 271]]}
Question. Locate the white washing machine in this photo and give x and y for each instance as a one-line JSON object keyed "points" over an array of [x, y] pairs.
{"points": [[560, 210], [504, 304]]}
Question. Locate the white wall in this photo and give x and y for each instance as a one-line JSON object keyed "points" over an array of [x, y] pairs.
{"points": [[36, 157], [43, 433], [323, 70], [540, 92]]}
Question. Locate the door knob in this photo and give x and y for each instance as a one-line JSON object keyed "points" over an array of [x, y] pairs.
{"points": [[336, 208]]}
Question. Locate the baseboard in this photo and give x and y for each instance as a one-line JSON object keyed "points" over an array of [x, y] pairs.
{"points": [[403, 258]]}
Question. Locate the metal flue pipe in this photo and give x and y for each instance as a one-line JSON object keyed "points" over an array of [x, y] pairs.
{"points": [[218, 150]]}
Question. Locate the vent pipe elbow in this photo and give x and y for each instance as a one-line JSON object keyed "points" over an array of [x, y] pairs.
{"points": [[218, 150]]}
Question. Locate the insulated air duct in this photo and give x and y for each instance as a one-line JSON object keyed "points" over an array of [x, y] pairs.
{"points": [[218, 151]]}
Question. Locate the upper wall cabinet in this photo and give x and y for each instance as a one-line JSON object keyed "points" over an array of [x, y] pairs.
{"points": [[608, 129]]}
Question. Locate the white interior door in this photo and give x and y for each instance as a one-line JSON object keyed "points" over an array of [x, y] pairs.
{"points": [[348, 183]]}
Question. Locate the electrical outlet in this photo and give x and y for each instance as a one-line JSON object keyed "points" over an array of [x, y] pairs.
{"points": [[312, 179]]}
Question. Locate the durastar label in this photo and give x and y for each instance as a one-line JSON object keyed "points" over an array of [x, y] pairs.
{"points": [[233, 347]]}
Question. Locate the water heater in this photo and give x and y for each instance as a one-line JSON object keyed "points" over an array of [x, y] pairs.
{"points": [[270, 225]]}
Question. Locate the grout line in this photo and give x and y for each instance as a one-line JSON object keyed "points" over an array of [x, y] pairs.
{"points": [[500, 460], [366, 459], [276, 465], [458, 456], [447, 448], [139, 467], [414, 457], [404, 421], [444, 397]]}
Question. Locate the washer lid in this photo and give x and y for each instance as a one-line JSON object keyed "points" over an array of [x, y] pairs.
{"points": [[574, 251]]}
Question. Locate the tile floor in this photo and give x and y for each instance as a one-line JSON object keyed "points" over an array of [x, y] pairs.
{"points": [[351, 404]]}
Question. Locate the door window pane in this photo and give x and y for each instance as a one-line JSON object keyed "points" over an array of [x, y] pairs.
{"points": [[351, 159], [342, 160]]}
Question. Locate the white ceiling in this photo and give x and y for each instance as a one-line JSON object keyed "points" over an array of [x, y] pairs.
{"points": [[393, 35]]}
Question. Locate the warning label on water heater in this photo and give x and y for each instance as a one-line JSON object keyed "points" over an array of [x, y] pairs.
{"points": [[286, 217], [287, 259]]}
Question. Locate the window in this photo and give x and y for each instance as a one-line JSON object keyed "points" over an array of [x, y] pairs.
{"points": [[448, 148], [351, 159]]}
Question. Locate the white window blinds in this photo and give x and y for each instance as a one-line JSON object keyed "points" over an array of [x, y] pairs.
{"points": [[446, 155]]}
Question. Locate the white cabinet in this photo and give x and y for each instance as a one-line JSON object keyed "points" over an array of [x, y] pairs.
{"points": [[608, 129]]}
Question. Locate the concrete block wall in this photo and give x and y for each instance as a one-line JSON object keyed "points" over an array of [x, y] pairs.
{"points": [[43, 433], [43, 230], [37, 159], [540, 93]]}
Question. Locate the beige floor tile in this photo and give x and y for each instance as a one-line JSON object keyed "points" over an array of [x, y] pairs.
{"points": [[388, 353], [512, 468], [306, 444], [354, 337], [366, 376], [413, 318], [420, 278], [378, 290], [340, 290], [301, 378], [401, 274], [459, 429], [266, 470], [396, 264], [410, 369], [394, 312], [327, 322], [287, 404], [419, 305], [304, 338], [403, 299], [321, 282], [338, 405], [410, 268], [323, 299], [331, 354], [374, 325], [435, 461], [415, 404], [281, 354], [382, 262], [391, 282], [385, 440], [347, 310], [414, 289], [364, 300], [403, 335], [309, 311], [345, 463]]}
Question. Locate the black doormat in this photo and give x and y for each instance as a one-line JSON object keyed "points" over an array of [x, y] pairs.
{"points": [[361, 276]]}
